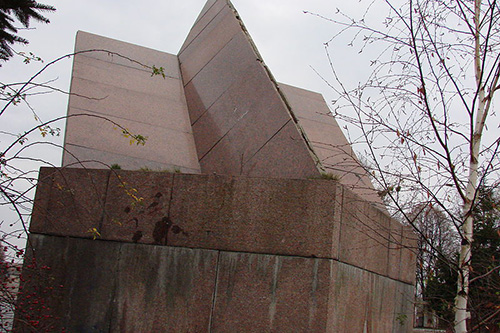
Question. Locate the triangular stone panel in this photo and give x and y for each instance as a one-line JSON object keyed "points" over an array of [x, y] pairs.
{"points": [[241, 123]]}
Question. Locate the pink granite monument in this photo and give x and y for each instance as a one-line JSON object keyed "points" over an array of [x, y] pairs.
{"points": [[245, 236]]}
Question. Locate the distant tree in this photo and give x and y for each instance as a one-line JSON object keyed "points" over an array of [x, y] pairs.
{"points": [[441, 280], [437, 244], [23, 11], [440, 290], [485, 276]]}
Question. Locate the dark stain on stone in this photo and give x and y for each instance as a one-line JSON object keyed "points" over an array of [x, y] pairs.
{"points": [[136, 221], [137, 236], [127, 209], [160, 233], [176, 229], [123, 319]]}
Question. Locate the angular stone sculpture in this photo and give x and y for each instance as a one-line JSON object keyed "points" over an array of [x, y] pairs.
{"points": [[245, 238], [218, 109]]}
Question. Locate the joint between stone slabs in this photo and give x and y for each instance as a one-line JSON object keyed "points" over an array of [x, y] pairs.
{"points": [[219, 251], [214, 296], [103, 211]]}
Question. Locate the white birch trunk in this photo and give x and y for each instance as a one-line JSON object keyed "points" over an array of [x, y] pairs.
{"points": [[464, 269]]}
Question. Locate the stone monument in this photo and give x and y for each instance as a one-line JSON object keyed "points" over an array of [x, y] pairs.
{"points": [[224, 220]]}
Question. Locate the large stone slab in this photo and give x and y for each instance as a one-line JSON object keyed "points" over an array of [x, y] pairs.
{"points": [[361, 301], [234, 104], [69, 202], [294, 217], [329, 143], [78, 285], [365, 234], [68, 285], [163, 289], [270, 293], [303, 217], [117, 90]]}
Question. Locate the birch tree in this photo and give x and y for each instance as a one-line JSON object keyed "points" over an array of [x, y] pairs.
{"points": [[425, 116]]}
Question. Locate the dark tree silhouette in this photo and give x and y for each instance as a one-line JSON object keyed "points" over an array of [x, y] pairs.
{"points": [[22, 11], [441, 283]]}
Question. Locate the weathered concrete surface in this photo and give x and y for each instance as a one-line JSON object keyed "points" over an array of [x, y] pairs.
{"points": [[116, 87], [386, 306], [365, 233], [69, 284], [98, 286], [163, 289], [270, 293], [299, 217]]}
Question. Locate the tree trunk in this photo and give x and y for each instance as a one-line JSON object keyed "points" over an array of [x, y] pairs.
{"points": [[461, 313]]}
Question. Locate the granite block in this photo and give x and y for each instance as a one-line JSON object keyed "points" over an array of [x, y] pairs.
{"points": [[69, 286], [285, 155], [408, 255], [128, 55], [221, 72], [137, 207], [163, 289], [395, 249], [381, 304], [251, 100], [207, 14], [208, 43], [403, 313], [162, 145], [364, 235], [295, 217], [64, 208], [94, 70], [307, 104], [348, 299], [271, 293], [93, 158], [165, 110]]}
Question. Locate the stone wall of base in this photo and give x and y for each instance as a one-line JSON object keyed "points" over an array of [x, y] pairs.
{"points": [[83, 285], [137, 251]]}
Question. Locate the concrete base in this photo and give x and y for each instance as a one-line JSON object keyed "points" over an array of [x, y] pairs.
{"points": [[106, 286], [152, 251]]}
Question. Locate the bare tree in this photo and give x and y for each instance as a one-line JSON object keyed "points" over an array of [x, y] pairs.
{"points": [[425, 117]]}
